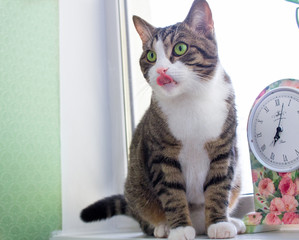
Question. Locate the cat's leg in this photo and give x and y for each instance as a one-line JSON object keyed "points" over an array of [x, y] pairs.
{"points": [[217, 196], [169, 184], [222, 181], [216, 206]]}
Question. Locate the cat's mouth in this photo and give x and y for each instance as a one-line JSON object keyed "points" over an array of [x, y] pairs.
{"points": [[165, 80]]}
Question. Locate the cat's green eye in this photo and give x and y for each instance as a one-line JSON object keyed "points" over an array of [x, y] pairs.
{"points": [[180, 49], [151, 56]]}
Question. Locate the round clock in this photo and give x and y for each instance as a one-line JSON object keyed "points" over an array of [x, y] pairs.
{"points": [[273, 126], [273, 137]]}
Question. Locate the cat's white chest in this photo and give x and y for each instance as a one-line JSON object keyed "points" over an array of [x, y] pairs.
{"points": [[194, 126], [195, 121]]}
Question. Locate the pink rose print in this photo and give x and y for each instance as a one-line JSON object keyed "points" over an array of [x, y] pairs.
{"points": [[266, 187], [290, 83], [287, 186], [254, 218], [297, 186], [290, 218], [285, 174], [277, 205], [255, 175], [272, 219], [290, 203]]}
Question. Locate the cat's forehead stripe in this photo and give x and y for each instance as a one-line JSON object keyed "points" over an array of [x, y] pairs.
{"points": [[164, 33], [167, 34], [170, 30]]}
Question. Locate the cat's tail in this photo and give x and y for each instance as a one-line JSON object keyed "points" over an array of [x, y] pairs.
{"points": [[106, 208]]}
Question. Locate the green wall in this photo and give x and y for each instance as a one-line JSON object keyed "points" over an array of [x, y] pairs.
{"points": [[30, 188]]}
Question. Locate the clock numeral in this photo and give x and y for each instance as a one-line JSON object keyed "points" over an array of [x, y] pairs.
{"points": [[260, 121], [272, 157], [297, 152], [263, 148], [266, 109], [277, 102], [259, 135], [289, 102], [285, 158]]}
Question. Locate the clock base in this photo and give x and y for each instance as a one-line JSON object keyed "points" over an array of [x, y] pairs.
{"points": [[276, 199], [269, 221]]}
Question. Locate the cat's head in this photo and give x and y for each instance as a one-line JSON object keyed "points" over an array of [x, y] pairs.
{"points": [[181, 58]]}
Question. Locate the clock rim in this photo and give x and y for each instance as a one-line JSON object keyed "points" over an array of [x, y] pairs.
{"points": [[253, 110]]}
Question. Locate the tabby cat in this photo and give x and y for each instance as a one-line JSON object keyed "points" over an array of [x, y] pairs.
{"points": [[183, 176]]}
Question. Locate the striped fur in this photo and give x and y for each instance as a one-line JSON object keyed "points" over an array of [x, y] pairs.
{"points": [[183, 175]]}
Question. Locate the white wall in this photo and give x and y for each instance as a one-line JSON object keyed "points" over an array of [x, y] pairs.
{"points": [[92, 136]]}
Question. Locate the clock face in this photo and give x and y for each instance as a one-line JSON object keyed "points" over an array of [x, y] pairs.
{"points": [[273, 130]]}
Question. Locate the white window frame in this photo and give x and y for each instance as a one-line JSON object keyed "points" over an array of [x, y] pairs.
{"points": [[93, 136]]}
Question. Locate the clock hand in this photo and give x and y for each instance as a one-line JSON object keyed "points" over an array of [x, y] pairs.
{"points": [[280, 115], [277, 137], [278, 129]]}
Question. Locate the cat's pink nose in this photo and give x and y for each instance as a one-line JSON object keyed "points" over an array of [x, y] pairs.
{"points": [[162, 70]]}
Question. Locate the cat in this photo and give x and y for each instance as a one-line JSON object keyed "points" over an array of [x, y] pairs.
{"points": [[183, 173]]}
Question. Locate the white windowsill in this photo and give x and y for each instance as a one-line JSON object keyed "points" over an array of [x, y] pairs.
{"points": [[245, 206], [275, 235]]}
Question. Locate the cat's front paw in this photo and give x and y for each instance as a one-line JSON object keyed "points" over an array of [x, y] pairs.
{"points": [[161, 231], [182, 233], [222, 230], [239, 224]]}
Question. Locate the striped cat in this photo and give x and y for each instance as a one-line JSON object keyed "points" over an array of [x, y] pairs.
{"points": [[183, 176]]}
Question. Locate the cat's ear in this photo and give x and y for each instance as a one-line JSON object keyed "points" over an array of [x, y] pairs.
{"points": [[144, 29], [200, 18]]}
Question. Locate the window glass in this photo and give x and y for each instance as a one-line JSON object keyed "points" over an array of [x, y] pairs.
{"points": [[258, 44]]}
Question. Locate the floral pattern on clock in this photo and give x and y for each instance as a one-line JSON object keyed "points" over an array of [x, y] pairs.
{"points": [[281, 83], [276, 194]]}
